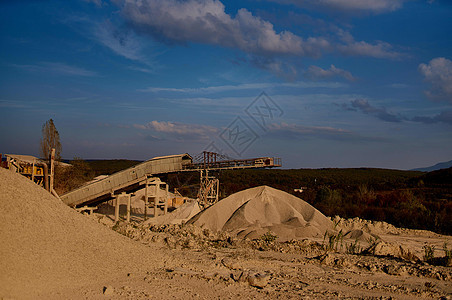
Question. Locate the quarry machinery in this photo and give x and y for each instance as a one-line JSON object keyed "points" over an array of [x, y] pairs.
{"points": [[39, 171], [137, 177]]}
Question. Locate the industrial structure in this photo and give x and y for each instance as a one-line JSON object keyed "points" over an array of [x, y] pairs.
{"points": [[39, 171], [145, 175]]}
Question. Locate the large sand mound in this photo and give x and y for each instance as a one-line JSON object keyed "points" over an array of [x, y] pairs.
{"points": [[47, 248], [253, 212]]}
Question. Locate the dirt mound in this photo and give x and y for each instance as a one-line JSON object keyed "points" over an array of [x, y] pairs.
{"points": [[253, 212], [182, 214], [47, 248]]}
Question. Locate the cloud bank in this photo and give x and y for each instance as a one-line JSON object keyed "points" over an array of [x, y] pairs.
{"points": [[315, 72], [351, 6], [438, 72], [383, 114], [206, 22], [57, 68], [179, 130], [296, 131], [378, 112]]}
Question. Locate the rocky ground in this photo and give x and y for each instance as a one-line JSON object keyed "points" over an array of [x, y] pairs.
{"points": [[202, 264], [51, 251]]}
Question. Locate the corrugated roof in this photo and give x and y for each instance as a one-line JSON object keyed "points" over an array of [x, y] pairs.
{"points": [[25, 158], [170, 156]]}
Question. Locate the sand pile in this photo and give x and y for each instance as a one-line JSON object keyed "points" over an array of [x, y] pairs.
{"points": [[182, 214], [47, 248], [367, 226], [253, 212]]}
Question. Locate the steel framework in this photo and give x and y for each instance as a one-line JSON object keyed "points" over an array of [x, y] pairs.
{"points": [[208, 189]]}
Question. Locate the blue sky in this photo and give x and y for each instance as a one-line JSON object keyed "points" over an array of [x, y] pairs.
{"points": [[330, 83]]}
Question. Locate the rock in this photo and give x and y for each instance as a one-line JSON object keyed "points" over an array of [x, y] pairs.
{"points": [[392, 270], [236, 275], [108, 290], [171, 242], [230, 263], [258, 280], [383, 249]]}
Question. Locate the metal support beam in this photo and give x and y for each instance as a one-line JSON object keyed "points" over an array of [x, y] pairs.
{"points": [[52, 168], [208, 190]]}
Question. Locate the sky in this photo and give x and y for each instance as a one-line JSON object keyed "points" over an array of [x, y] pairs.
{"points": [[328, 83]]}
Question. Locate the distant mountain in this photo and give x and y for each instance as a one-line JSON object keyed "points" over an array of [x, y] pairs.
{"points": [[438, 166]]}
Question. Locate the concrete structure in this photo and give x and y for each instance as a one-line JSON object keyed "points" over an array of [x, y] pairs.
{"points": [[121, 199], [155, 195]]}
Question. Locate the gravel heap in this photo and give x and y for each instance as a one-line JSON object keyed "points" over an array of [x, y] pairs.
{"points": [[256, 211], [48, 248]]}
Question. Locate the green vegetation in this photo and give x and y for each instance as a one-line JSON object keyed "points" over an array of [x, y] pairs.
{"points": [[429, 256], [71, 177], [447, 251], [50, 139], [331, 241], [110, 166], [68, 178], [353, 248], [429, 253], [269, 237], [409, 199]]}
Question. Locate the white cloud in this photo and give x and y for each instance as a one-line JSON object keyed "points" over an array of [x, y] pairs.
{"points": [[179, 130], [58, 68], [352, 6], [306, 129], [276, 66], [244, 86], [144, 70], [121, 41], [210, 89], [379, 112], [319, 73], [115, 36], [438, 72], [98, 3], [296, 131], [205, 21], [379, 49]]}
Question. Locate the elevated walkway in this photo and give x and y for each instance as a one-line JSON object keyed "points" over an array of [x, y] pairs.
{"points": [[127, 180], [134, 178]]}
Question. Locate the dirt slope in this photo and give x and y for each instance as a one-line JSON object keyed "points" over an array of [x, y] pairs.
{"points": [[47, 246]]}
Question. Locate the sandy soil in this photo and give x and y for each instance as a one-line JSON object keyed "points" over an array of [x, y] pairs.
{"points": [[49, 251]]}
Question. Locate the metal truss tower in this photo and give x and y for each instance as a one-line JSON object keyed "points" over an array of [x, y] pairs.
{"points": [[208, 190]]}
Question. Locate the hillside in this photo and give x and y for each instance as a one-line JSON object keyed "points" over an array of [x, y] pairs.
{"points": [[438, 166], [110, 166]]}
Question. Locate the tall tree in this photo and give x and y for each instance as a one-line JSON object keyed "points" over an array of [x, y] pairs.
{"points": [[50, 139]]}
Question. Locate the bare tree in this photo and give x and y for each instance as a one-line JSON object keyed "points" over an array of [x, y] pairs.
{"points": [[50, 139]]}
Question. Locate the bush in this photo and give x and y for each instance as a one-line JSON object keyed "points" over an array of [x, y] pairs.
{"points": [[269, 237], [68, 178]]}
